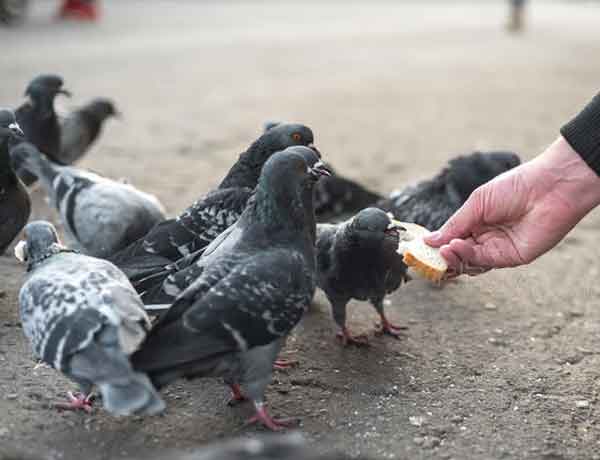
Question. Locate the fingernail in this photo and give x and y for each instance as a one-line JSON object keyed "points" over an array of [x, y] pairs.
{"points": [[433, 237]]}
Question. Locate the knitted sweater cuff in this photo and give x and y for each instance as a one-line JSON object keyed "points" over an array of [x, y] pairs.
{"points": [[583, 134]]}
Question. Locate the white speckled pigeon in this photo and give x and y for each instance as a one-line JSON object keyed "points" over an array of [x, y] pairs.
{"points": [[83, 317], [100, 215], [257, 280]]}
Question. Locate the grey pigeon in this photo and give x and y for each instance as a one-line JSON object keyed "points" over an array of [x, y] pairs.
{"points": [[200, 223], [38, 119], [358, 259], [15, 205], [257, 280], [264, 447], [431, 202], [160, 288], [83, 317], [337, 197], [100, 215], [81, 128]]}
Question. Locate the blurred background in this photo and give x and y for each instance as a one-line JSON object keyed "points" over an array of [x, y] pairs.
{"points": [[392, 90]]}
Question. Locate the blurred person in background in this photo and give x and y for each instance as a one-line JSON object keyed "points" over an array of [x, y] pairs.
{"points": [[516, 16]]}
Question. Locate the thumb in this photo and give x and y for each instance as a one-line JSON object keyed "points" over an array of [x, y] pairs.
{"points": [[460, 224]]}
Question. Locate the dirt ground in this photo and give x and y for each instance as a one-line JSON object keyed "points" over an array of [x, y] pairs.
{"points": [[505, 366]]}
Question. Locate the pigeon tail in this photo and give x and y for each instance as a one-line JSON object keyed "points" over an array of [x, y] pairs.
{"points": [[132, 394]]}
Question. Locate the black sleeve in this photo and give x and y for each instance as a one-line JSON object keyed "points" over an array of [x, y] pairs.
{"points": [[583, 134]]}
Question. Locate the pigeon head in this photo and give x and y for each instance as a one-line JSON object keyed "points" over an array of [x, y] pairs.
{"points": [[371, 226], [246, 171], [102, 108], [9, 128], [281, 195], [41, 241], [42, 90], [465, 173]]}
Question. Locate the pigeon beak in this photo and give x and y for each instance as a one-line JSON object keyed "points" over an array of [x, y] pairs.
{"points": [[314, 149], [16, 129], [20, 251], [394, 228], [64, 92], [319, 170]]}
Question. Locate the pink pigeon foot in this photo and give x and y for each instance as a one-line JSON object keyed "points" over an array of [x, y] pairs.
{"points": [[77, 401]]}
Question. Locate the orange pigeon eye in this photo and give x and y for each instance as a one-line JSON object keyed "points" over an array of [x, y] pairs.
{"points": [[297, 137]]}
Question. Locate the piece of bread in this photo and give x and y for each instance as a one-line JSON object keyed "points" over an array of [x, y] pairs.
{"points": [[418, 255]]}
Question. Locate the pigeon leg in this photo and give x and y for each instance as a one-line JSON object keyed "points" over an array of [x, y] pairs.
{"points": [[386, 327], [269, 422], [348, 339], [338, 308], [236, 395], [77, 401]]}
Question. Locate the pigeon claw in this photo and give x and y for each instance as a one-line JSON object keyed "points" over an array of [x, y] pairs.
{"points": [[283, 364], [269, 422], [77, 401], [348, 339], [387, 328]]}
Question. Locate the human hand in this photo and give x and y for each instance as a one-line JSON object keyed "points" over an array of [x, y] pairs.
{"points": [[519, 215]]}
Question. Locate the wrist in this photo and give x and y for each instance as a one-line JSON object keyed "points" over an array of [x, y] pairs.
{"points": [[569, 176]]}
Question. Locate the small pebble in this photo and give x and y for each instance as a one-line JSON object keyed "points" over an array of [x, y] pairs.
{"points": [[490, 306], [582, 404]]}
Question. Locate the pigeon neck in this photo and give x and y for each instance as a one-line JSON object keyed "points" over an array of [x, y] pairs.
{"points": [[284, 212], [246, 171], [52, 250]]}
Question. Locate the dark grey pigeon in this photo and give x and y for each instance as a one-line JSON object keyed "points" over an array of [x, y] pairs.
{"points": [[15, 205], [337, 197], [430, 203], [200, 223], [81, 128], [159, 289], [101, 216], [358, 259], [83, 317], [38, 119], [257, 280]]}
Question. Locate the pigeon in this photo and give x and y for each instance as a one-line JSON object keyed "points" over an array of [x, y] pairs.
{"points": [[358, 259], [83, 317], [336, 197], [101, 216], [200, 223], [80, 129], [160, 288], [39, 121], [15, 204], [257, 280], [430, 203]]}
